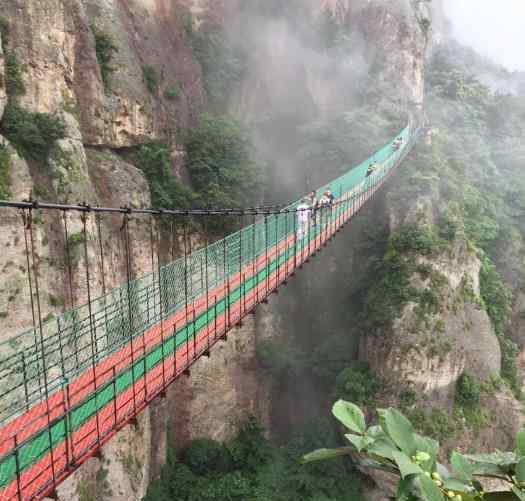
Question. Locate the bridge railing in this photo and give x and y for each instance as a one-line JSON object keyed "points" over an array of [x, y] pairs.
{"points": [[69, 382]]}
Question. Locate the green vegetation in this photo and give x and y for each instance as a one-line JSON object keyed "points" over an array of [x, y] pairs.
{"points": [[220, 162], [4, 31], [468, 390], [75, 239], [105, 49], [56, 301], [150, 78], [250, 468], [411, 238], [5, 173], [14, 81], [84, 491], [497, 299], [436, 423], [166, 190], [173, 92], [32, 133], [357, 383], [394, 447]]}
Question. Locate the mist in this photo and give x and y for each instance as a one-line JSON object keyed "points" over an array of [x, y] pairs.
{"points": [[494, 29]]}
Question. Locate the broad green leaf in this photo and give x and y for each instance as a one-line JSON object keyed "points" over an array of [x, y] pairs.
{"points": [[350, 415], [455, 484], [404, 489], [497, 458], [376, 432], [520, 470], [488, 469], [323, 454], [442, 470], [405, 465], [520, 442], [360, 442], [383, 447], [399, 429], [461, 466], [429, 490], [518, 493]]}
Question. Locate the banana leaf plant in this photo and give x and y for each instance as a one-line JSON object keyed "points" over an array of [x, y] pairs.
{"points": [[395, 447]]}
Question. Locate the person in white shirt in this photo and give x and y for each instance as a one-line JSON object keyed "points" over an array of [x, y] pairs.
{"points": [[304, 212]]}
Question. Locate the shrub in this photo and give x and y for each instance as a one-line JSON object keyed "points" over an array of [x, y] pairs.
{"points": [[357, 383], [154, 161], [468, 390], [150, 78], [75, 239], [414, 238], [390, 290], [204, 456], [104, 49], [447, 229], [4, 30], [173, 92], [14, 82], [220, 162], [5, 176], [250, 449], [32, 133]]}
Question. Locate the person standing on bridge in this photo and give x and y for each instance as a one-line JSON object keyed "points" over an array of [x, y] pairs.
{"points": [[314, 204], [304, 211]]}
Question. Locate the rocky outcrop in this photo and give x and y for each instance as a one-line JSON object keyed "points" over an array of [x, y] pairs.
{"points": [[223, 390], [430, 353], [396, 38]]}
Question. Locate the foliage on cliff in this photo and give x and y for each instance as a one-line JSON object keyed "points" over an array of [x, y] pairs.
{"points": [[250, 468], [220, 160], [32, 133]]}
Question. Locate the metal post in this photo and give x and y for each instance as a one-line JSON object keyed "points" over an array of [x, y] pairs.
{"points": [[24, 375], [41, 330], [125, 223], [161, 316], [226, 288], [242, 295], [287, 238], [185, 230], [207, 283], [67, 428], [294, 215], [255, 269], [114, 380], [214, 317], [267, 269], [17, 469], [277, 250]]}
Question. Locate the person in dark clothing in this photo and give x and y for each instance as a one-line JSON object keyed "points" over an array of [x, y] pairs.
{"points": [[370, 170]]}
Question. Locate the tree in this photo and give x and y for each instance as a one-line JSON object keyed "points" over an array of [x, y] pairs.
{"points": [[394, 447]]}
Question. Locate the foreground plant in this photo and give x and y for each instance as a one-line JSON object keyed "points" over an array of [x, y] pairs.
{"points": [[393, 446]]}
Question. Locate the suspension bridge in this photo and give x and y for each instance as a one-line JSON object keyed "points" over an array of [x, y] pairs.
{"points": [[72, 381]]}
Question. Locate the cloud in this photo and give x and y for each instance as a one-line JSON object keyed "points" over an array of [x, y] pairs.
{"points": [[494, 28]]}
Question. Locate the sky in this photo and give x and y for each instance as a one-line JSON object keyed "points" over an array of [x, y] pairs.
{"points": [[495, 28]]}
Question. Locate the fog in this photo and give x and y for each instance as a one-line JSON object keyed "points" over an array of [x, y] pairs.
{"points": [[495, 29]]}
